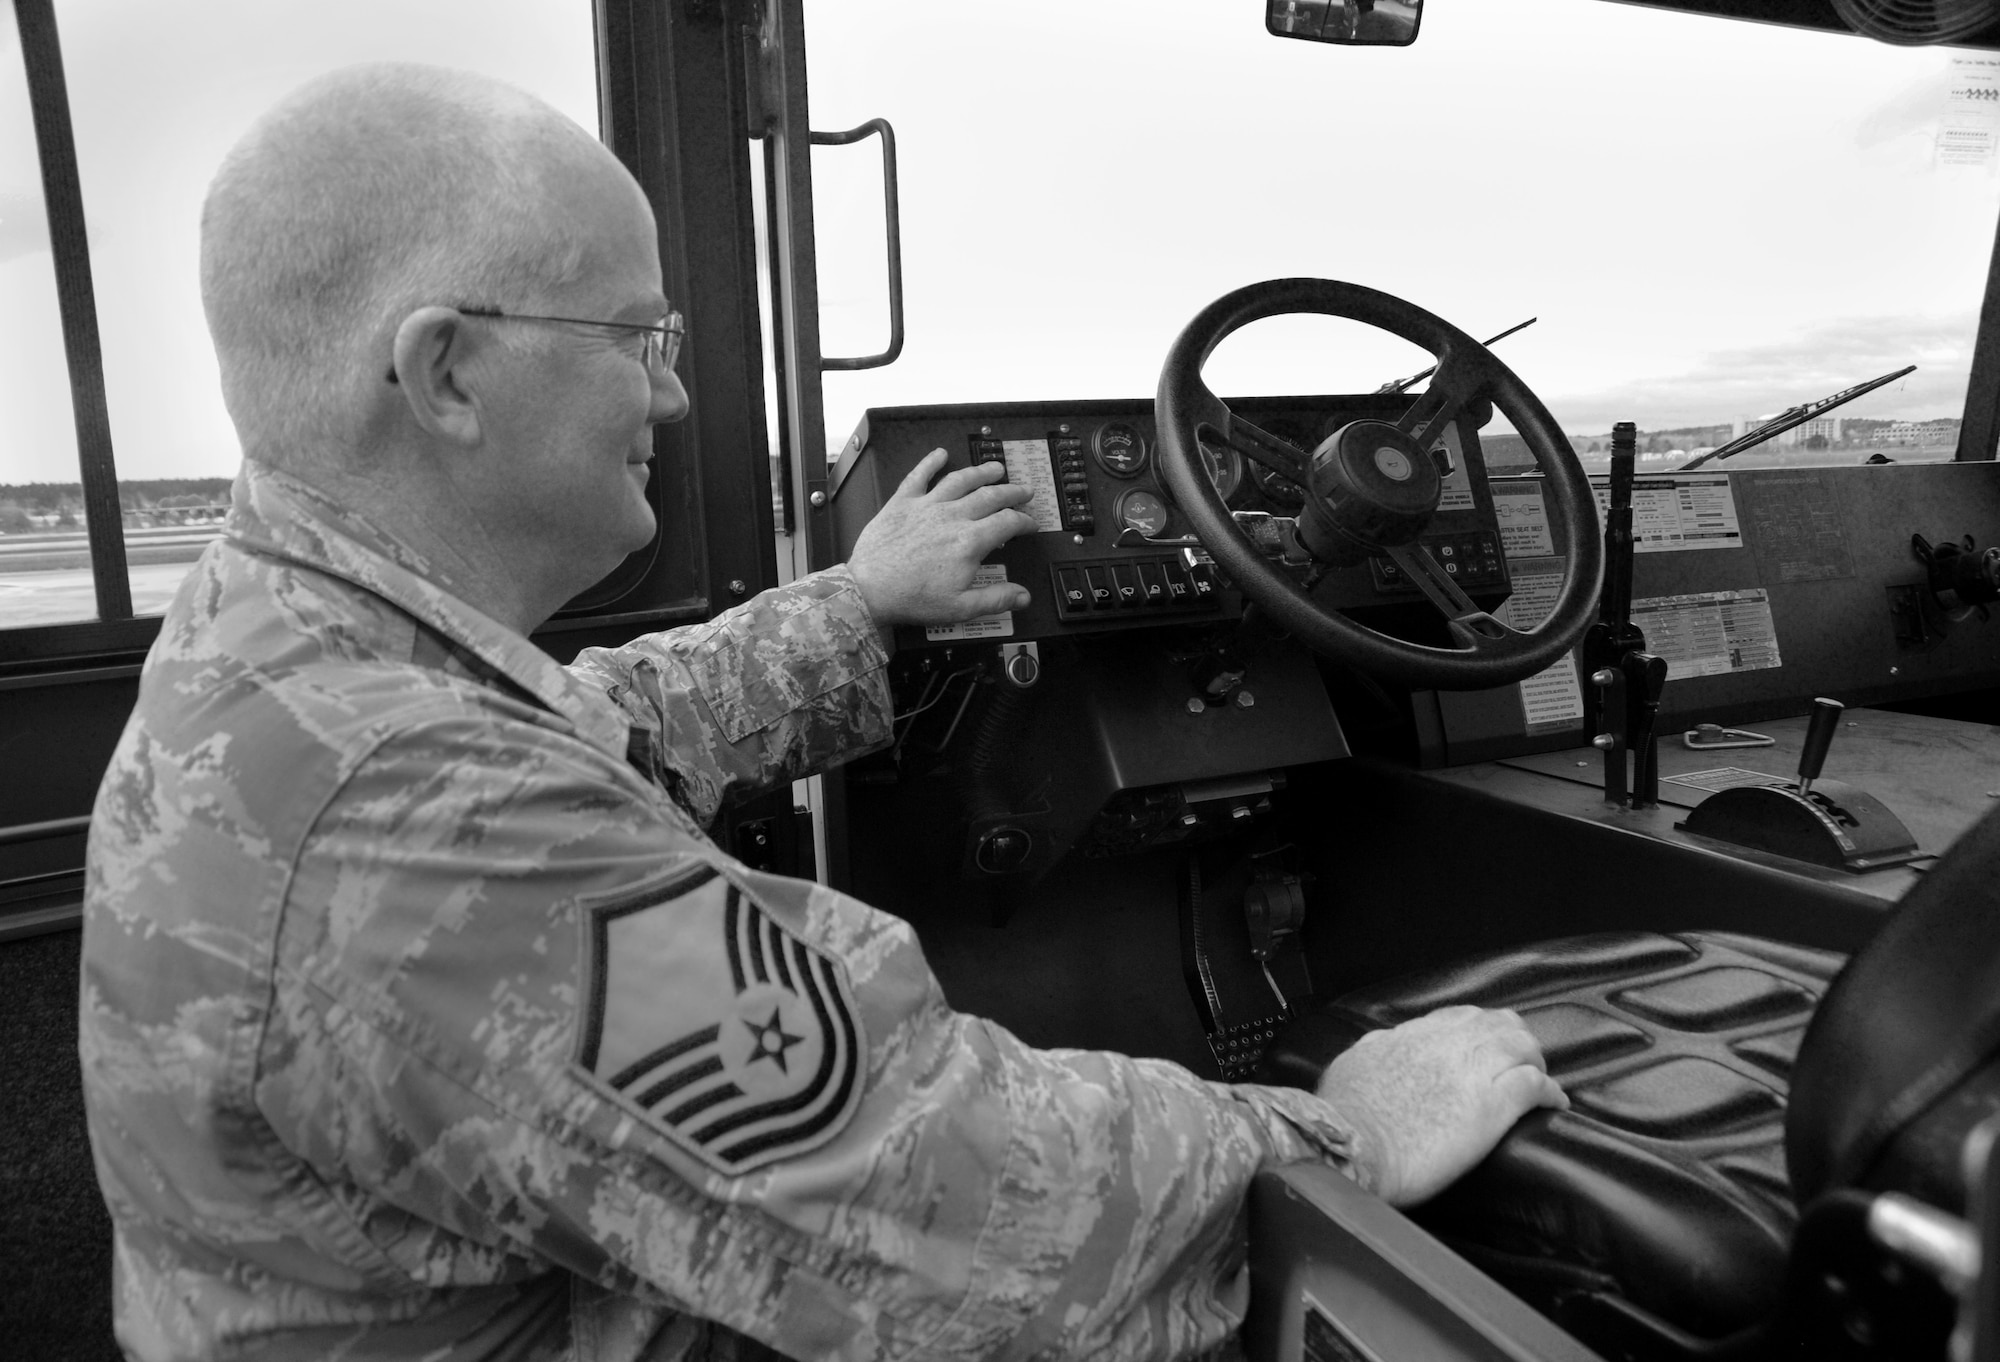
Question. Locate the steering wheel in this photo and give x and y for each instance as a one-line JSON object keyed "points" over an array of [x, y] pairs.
{"points": [[1371, 488]]}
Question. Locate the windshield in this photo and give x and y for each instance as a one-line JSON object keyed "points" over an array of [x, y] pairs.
{"points": [[1712, 220]]}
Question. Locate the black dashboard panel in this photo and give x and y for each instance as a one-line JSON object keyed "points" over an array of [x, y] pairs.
{"points": [[1813, 589], [1115, 552]]}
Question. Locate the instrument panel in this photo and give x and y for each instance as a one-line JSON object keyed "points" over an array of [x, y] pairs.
{"points": [[1113, 550]]}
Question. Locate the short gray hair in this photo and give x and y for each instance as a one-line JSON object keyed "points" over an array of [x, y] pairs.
{"points": [[364, 195]]}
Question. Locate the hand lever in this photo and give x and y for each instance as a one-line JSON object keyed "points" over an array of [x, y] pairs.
{"points": [[1614, 635], [1645, 680], [1819, 737]]}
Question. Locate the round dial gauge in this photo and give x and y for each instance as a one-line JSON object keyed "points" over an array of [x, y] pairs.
{"points": [[1120, 449], [1225, 468], [1143, 511]]}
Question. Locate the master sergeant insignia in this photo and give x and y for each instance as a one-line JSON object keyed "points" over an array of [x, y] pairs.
{"points": [[724, 1030]]}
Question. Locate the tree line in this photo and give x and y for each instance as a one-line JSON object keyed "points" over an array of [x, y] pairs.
{"points": [[27, 506]]}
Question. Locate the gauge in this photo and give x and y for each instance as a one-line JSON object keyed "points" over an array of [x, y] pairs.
{"points": [[1225, 468], [1143, 511], [1120, 449], [1285, 494]]}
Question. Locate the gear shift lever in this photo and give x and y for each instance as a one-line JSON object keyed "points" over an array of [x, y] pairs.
{"points": [[1827, 822], [1819, 737]]}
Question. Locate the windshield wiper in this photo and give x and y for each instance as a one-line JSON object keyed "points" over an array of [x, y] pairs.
{"points": [[1792, 416], [1397, 385]]}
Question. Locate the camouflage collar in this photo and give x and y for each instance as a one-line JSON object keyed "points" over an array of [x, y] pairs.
{"points": [[277, 514]]}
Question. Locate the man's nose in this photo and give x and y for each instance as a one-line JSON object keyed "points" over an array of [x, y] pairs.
{"points": [[670, 399]]}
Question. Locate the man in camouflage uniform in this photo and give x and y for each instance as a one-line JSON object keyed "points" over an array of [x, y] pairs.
{"points": [[421, 1020]]}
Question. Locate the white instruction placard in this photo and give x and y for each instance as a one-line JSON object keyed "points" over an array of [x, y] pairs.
{"points": [[1523, 517], [1552, 700], [1710, 633], [1537, 583], [1028, 466], [1968, 131], [1725, 778], [1668, 514], [986, 626]]}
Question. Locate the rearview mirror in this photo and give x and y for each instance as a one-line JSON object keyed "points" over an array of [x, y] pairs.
{"points": [[1356, 23]]}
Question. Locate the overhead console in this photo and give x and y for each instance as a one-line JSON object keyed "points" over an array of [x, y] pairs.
{"points": [[1113, 550]]}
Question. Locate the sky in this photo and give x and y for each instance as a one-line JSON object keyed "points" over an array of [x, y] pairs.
{"points": [[158, 93], [1711, 219]]}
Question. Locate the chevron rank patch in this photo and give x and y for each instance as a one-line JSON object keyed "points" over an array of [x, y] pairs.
{"points": [[727, 1032]]}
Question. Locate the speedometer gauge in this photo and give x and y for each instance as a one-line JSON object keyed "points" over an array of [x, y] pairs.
{"points": [[1225, 468]]}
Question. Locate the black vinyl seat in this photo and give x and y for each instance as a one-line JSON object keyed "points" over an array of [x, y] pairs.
{"points": [[1719, 1083], [1661, 1195]]}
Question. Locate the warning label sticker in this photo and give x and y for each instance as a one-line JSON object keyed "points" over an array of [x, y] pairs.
{"points": [[1709, 633], [1523, 517], [1028, 466], [1668, 514], [1537, 585], [1725, 778], [1551, 700], [986, 626]]}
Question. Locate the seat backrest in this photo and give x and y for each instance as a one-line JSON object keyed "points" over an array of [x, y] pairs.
{"points": [[55, 1237], [1899, 1060]]}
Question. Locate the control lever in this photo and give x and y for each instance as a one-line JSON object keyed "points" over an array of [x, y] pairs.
{"points": [[1827, 822], [1274, 908], [1819, 737], [1645, 681], [1962, 578], [1622, 701]]}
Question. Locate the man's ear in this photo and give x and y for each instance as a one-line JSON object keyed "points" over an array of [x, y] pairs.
{"points": [[431, 349]]}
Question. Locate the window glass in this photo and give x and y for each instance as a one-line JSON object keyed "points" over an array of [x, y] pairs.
{"points": [[44, 560], [158, 94], [1713, 220]]}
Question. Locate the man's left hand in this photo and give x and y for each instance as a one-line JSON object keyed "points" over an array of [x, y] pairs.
{"points": [[1430, 1098], [915, 560]]}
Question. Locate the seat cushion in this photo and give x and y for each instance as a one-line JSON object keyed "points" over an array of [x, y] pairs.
{"points": [[1659, 1202], [1904, 1058]]}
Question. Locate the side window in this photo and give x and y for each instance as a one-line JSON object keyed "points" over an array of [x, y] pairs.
{"points": [[45, 573], [156, 96]]}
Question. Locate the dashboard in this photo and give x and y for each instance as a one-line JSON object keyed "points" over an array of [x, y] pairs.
{"points": [[1113, 550]]}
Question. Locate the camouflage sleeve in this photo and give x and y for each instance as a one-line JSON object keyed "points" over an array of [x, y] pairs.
{"points": [[785, 685], [524, 1023]]}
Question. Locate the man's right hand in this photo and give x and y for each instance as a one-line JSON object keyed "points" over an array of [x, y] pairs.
{"points": [[1430, 1098], [914, 562]]}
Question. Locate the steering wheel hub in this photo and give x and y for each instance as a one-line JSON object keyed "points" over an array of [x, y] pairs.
{"points": [[1372, 488]]}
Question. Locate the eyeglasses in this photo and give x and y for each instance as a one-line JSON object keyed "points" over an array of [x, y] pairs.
{"points": [[663, 338]]}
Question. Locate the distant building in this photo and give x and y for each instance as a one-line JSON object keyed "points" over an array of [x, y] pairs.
{"points": [[1827, 428], [1918, 434]]}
